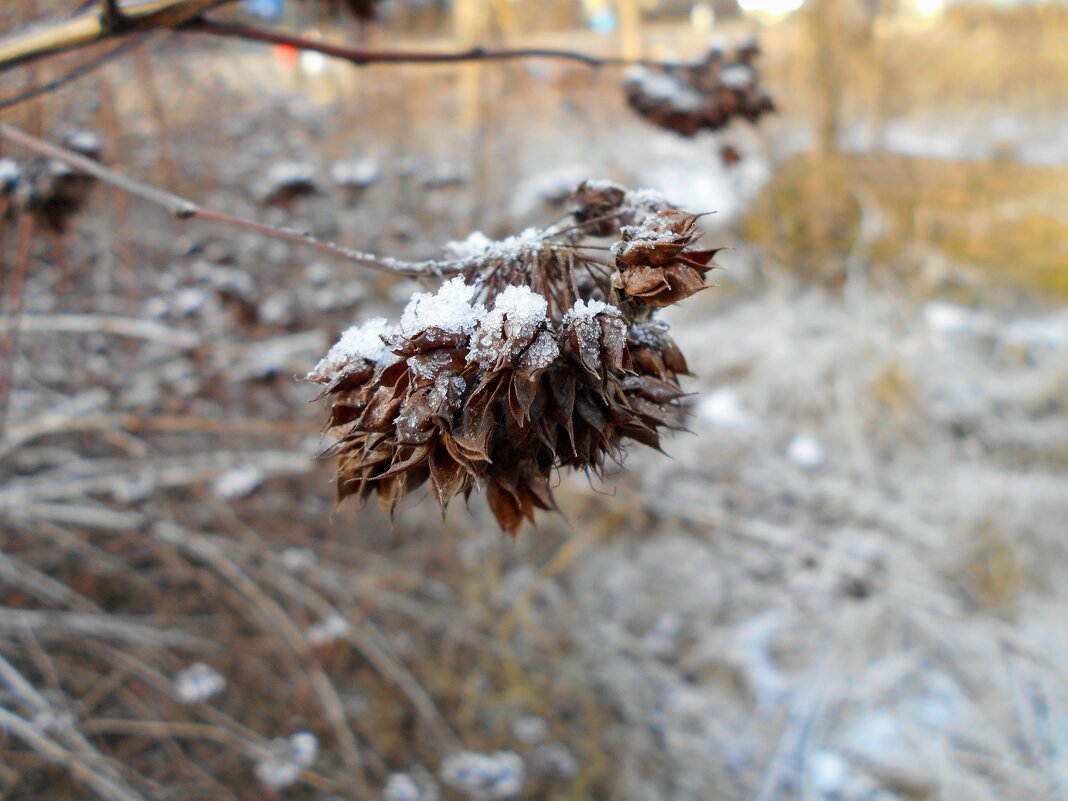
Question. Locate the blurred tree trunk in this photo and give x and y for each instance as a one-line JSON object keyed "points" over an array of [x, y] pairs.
{"points": [[630, 28], [826, 26]]}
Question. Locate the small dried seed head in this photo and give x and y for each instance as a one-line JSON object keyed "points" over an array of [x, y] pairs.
{"points": [[521, 367], [704, 96]]}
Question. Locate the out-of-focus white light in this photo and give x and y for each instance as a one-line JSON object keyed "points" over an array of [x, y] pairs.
{"points": [[702, 19], [930, 8], [770, 10], [312, 63]]}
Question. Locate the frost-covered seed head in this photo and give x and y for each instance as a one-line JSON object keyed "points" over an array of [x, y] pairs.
{"points": [[537, 358]]}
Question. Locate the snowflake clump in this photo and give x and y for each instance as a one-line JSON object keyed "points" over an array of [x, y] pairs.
{"points": [[198, 683], [289, 757], [484, 777]]}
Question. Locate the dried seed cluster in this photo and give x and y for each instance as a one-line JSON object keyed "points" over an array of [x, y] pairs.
{"points": [[540, 355], [706, 95]]}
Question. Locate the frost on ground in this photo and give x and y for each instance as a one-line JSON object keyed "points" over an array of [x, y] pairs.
{"points": [[854, 590]]}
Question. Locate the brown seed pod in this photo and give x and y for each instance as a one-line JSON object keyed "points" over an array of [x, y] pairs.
{"points": [[703, 96], [656, 263], [521, 368]]}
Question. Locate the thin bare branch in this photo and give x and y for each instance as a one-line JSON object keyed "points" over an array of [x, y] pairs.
{"points": [[116, 20], [361, 56], [184, 209]]}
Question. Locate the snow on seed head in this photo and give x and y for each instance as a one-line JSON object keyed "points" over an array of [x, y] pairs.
{"points": [[360, 342], [475, 246], [590, 308], [508, 329], [450, 309], [479, 246]]}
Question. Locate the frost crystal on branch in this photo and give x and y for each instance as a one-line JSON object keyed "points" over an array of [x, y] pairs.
{"points": [[538, 357]]}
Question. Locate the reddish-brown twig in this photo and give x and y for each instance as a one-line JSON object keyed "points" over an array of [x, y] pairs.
{"points": [[361, 56], [184, 209]]}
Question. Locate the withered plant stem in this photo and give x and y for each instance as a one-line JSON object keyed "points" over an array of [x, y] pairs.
{"points": [[184, 209], [362, 56]]}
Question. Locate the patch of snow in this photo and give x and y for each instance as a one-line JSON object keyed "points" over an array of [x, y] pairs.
{"points": [[296, 560], [198, 683], [354, 174], [289, 759], [516, 316], [530, 729], [328, 630], [238, 482], [737, 76], [829, 772], [450, 309], [401, 787], [668, 88], [358, 342], [479, 246], [646, 197], [476, 245], [590, 308], [1045, 334], [722, 409], [484, 777], [951, 318], [9, 175], [805, 451]]}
